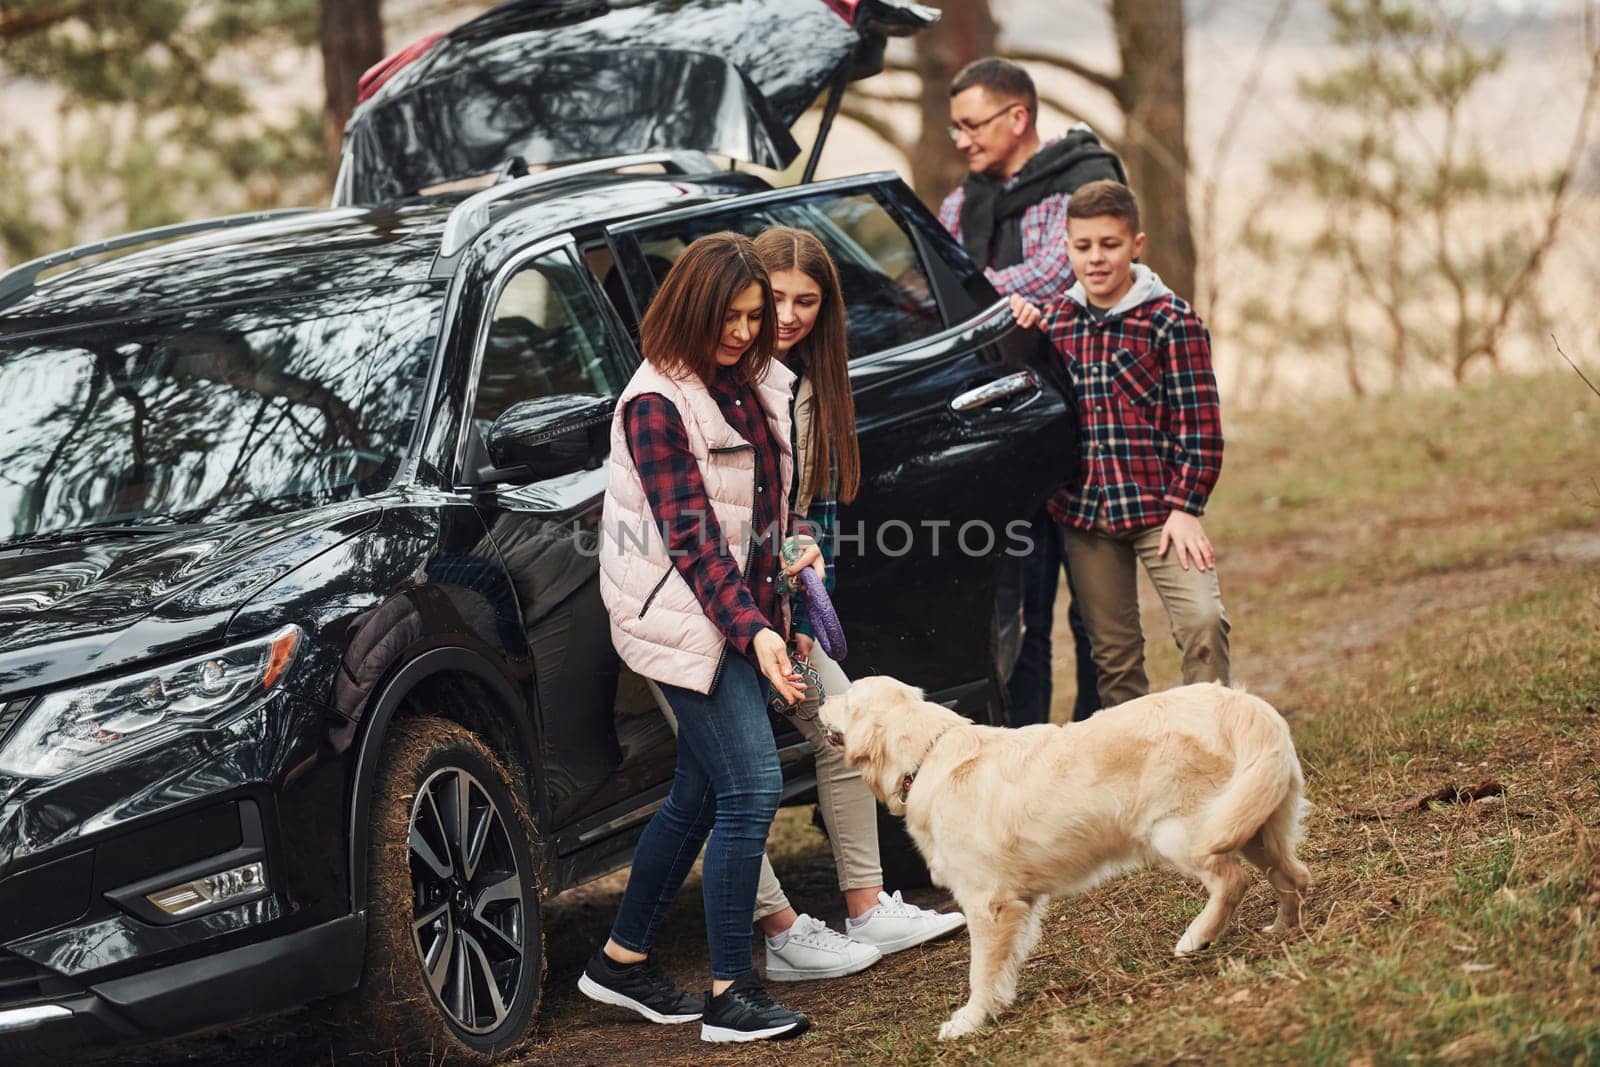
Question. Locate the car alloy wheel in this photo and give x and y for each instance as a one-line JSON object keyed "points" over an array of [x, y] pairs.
{"points": [[455, 946], [467, 920]]}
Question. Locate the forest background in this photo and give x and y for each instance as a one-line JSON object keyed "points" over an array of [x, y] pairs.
{"points": [[1358, 195]]}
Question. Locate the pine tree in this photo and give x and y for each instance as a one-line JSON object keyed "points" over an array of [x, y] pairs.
{"points": [[157, 120]]}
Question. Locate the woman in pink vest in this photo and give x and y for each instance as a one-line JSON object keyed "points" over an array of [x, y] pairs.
{"points": [[696, 505]]}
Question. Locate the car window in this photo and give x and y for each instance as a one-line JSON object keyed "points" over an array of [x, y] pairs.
{"points": [[227, 410], [547, 337], [888, 301]]}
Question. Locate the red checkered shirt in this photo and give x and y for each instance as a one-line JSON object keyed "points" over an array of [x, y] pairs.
{"points": [[1151, 423], [1045, 269], [741, 605]]}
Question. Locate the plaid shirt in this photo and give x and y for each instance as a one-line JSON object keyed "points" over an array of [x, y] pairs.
{"points": [[1045, 269], [741, 605], [1151, 423]]}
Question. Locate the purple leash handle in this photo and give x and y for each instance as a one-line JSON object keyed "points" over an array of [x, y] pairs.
{"points": [[830, 635]]}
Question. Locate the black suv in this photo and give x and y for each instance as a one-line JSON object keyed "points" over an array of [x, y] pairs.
{"points": [[305, 682]]}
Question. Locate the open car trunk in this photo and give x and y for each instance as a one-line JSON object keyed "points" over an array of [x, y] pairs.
{"points": [[555, 81]]}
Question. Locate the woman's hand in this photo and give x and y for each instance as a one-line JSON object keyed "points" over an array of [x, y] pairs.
{"points": [[1182, 531], [772, 656], [810, 556], [1027, 315]]}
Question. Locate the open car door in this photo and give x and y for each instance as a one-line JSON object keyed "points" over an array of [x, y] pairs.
{"points": [[963, 424]]}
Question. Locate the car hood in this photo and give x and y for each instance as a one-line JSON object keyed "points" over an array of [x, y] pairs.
{"points": [[91, 602], [554, 82]]}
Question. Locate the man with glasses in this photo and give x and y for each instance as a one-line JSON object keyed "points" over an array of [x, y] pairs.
{"points": [[1011, 216], [1011, 212]]}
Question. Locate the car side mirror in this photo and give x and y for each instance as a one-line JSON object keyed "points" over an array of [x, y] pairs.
{"points": [[548, 437]]}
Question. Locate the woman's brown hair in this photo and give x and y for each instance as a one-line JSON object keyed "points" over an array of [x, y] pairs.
{"points": [[824, 358], [682, 328]]}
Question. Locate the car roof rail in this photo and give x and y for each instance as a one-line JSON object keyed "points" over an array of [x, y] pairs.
{"points": [[471, 216], [22, 278]]}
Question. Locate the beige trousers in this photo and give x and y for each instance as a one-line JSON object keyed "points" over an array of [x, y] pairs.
{"points": [[847, 804], [1105, 586]]}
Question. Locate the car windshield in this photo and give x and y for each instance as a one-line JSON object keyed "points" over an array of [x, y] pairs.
{"points": [[212, 412]]}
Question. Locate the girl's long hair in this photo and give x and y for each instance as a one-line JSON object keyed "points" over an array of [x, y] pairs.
{"points": [[824, 358], [683, 325]]}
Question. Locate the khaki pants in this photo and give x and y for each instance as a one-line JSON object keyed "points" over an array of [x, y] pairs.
{"points": [[1105, 583], [847, 804]]}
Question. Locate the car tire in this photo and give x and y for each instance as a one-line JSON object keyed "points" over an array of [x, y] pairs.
{"points": [[455, 947]]}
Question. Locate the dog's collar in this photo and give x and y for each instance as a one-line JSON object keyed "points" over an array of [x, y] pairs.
{"points": [[905, 782]]}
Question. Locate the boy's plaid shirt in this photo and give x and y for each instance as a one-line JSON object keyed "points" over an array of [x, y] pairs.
{"points": [[741, 605], [1150, 421]]}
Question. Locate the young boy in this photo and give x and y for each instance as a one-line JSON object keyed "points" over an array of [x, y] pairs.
{"points": [[1140, 363]]}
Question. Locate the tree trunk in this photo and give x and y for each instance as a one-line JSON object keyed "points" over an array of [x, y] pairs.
{"points": [[965, 32], [352, 41], [1151, 92]]}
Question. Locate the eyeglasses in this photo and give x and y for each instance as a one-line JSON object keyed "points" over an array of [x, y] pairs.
{"points": [[956, 129]]}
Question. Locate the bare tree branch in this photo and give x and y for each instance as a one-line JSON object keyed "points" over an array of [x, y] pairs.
{"points": [[1055, 103], [1558, 204], [1574, 366], [910, 99], [1099, 78], [1224, 145], [875, 124], [14, 24], [1049, 100], [1111, 83]]}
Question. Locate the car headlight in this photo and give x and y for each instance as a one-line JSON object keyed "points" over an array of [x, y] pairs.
{"points": [[67, 730]]}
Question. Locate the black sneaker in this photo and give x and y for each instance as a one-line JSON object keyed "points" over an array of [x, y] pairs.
{"points": [[641, 987], [746, 1012]]}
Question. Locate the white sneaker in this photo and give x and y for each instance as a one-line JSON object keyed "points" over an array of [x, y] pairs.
{"points": [[894, 925], [813, 950]]}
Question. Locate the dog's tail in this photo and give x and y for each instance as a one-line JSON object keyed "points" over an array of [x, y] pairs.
{"points": [[1266, 779]]}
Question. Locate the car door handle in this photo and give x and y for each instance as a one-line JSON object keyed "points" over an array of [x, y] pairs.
{"points": [[993, 392]]}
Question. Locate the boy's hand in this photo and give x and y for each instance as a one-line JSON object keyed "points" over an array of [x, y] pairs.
{"points": [[1027, 315], [1182, 531], [802, 645]]}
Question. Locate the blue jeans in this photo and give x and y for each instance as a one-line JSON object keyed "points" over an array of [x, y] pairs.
{"points": [[1031, 684], [727, 786]]}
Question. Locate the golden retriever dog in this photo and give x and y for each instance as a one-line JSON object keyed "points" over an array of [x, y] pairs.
{"points": [[1195, 777]]}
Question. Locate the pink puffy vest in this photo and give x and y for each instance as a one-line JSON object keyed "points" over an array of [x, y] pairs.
{"points": [[658, 627]]}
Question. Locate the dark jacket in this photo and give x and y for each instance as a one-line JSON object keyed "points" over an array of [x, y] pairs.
{"points": [[991, 214]]}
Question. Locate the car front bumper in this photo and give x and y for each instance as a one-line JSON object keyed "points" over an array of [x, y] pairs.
{"points": [[86, 955], [252, 980]]}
